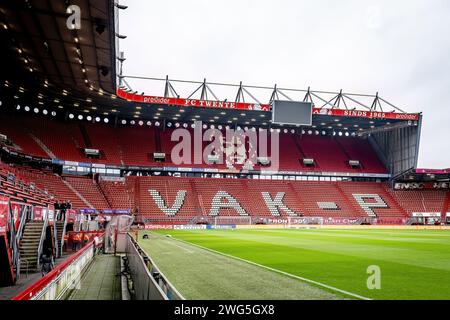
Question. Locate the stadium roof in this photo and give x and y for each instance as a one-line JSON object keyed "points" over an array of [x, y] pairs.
{"points": [[42, 56], [74, 71]]}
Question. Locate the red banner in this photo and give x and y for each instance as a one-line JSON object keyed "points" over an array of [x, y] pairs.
{"points": [[261, 107], [71, 215], [38, 213], [4, 212], [367, 114], [192, 102], [16, 211], [433, 171]]}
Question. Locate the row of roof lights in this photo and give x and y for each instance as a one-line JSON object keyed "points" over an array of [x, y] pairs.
{"points": [[185, 125], [35, 110], [88, 118]]}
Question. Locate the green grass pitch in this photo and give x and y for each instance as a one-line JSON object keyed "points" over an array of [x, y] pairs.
{"points": [[414, 264]]}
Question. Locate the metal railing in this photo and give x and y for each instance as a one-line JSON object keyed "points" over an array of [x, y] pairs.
{"points": [[148, 282], [28, 266], [42, 239], [57, 283], [19, 234], [63, 234]]}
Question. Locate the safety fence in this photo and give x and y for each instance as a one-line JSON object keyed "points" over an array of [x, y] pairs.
{"points": [[148, 282]]}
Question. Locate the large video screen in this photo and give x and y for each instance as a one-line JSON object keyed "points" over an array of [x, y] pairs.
{"points": [[292, 112]]}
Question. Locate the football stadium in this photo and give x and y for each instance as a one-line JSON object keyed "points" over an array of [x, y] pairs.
{"points": [[201, 190]]}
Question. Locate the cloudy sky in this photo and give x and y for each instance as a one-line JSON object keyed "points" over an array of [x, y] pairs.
{"points": [[399, 48]]}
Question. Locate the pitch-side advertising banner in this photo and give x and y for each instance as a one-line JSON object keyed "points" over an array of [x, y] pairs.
{"points": [[189, 226]]}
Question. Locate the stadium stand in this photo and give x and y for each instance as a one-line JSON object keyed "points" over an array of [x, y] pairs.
{"points": [[389, 206], [420, 200], [135, 145], [18, 188], [90, 190], [189, 197], [117, 194], [314, 193], [16, 130], [63, 140], [319, 148], [56, 185], [447, 203], [360, 149]]}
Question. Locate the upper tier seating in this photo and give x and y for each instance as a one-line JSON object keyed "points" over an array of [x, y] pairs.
{"points": [[326, 152], [360, 149], [135, 145], [17, 130], [65, 142]]}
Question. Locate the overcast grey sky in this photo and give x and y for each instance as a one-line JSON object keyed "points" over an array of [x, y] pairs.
{"points": [[399, 48]]}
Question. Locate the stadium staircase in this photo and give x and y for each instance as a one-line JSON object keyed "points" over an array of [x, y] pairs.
{"points": [[43, 146], [59, 228], [299, 147], [89, 190], [344, 151], [71, 188], [360, 149], [110, 196], [30, 245], [85, 135], [198, 204], [158, 147], [351, 204], [116, 194], [60, 232]]}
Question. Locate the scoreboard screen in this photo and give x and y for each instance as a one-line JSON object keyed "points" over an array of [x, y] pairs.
{"points": [[292, 112]]}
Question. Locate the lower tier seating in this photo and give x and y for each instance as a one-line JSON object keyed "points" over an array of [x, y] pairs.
{"points": [[171, 197]]}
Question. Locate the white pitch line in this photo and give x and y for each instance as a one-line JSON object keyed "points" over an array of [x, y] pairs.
{"points": [[183, 248], [278, 271]]}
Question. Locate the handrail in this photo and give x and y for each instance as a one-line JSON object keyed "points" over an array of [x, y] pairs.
{"points": [[63, 234], [18, 237], [41, 240], [12, 238], [26, 261], [55, 233]]}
